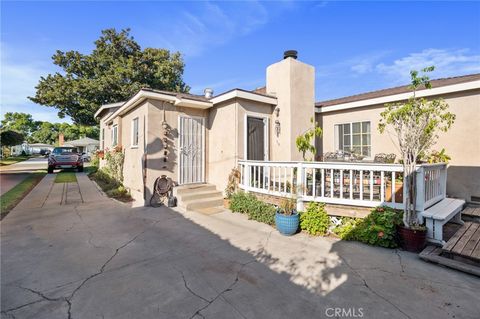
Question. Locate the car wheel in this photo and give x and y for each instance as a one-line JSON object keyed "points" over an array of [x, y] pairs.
{"points": [[80, 169], [50, 169]]}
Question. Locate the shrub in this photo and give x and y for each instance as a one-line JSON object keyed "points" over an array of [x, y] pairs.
{"points": [[345, 228], [378, 228], [315, 220], [255, 209]]}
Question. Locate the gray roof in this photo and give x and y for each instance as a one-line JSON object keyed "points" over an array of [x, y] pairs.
{"points": [[398, 90], [83, 142]]}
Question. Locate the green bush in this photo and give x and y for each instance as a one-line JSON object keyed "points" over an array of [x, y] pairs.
{"points": [[315, 220], [255, 209], [345, 228], [379, 228]]}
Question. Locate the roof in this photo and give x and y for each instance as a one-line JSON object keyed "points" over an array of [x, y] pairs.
{"points": [[398, 90], [108, 106], [180, 95], [82, 142], [39, 145]]}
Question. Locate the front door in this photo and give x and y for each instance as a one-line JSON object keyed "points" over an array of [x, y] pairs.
{"points": [[256, 136], [191, 150]]}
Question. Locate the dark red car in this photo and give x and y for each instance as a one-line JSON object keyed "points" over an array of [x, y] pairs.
{"points": [[65, 157]]}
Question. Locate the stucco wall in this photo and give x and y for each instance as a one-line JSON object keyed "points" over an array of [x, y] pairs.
{"points": [[461, 142], [226, 136], [156, 166], [293, 83], [133, 164]]}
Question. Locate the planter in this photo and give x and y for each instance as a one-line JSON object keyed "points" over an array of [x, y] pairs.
{"points": [[412, 240], [226, 203], [398, 192], [101, 154], [287, 224]]}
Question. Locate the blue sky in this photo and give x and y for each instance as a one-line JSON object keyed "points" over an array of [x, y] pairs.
{"points": [[354, 46]]}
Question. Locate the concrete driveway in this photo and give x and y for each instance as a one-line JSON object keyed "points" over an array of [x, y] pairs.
{"points": [[13, 174], [69, 252]]}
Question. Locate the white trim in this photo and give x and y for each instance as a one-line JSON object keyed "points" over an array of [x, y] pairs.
{"points": [[266, 132], [143, 95], [114, 133], [132, 136], [204, 149], [107, 106], [244, 95], [400, 97], [337, 136]]}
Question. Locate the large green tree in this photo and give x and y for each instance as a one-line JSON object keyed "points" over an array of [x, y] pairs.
{"points": [[115, 70], [22, 123]]}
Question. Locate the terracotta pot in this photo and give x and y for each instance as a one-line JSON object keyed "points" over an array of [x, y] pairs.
{"points": [[226, 203], [101, 154], [411, 240], [398, 192]]}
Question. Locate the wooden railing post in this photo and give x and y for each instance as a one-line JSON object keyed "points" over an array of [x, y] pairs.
{"points": [[247, 177], [443, 180], [300, 186], [420, 183]]}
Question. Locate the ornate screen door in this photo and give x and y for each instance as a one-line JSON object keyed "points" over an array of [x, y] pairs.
{"points": [[191, 150]]}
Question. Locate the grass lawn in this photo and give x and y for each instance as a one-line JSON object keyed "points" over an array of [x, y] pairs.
{"points": [[12, 160], [11, 198], [65, 177]]}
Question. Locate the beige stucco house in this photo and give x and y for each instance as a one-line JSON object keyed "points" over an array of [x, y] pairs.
{"points": [[199, 139]]}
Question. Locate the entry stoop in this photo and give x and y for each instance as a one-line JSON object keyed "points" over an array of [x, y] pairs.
{"points": [[202, 198]]}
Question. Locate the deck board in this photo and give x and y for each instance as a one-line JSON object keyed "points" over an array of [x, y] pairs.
{"points": [[465, 242], [472, 211]]}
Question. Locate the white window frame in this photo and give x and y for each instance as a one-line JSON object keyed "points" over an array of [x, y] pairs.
{"points": [[266, 122], [132, 141], [337, 137], [114, 135]]}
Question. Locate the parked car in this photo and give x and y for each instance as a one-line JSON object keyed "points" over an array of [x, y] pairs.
{"points": [[65, 157]]}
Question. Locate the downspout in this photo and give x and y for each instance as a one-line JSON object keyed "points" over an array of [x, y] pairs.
{"points": [[145, 151]]}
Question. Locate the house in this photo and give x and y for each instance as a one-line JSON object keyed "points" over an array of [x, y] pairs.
{"points": [[31, 149], [85, 144], [199, 138], [351, 122]]}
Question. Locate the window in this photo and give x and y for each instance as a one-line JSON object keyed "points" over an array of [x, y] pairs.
{"points": [[353, 137], [135, 132], [115, 135], [102, 138]]}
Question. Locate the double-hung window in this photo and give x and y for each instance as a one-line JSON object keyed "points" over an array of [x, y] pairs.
{"points": [[135, 132], [114, 135], [354, 137]]}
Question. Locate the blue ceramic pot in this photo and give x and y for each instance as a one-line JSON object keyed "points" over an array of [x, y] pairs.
{"points": [[287, 225]]}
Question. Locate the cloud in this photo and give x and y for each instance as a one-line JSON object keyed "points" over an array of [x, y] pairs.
{"points": [[353, 66], [18, 81], [447, 63], [205, 25]]}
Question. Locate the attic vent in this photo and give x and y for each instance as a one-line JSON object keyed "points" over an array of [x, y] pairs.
{"points": [[290, 54], [475, 199]]}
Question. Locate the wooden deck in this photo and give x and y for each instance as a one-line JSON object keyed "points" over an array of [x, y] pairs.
{"points": [[471, 213], [465, 243]]}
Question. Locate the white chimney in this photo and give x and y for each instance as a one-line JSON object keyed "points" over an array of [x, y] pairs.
{"points": [[208, 93]]}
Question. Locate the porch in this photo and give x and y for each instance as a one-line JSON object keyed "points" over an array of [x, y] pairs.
{"points": [[359, 184]]}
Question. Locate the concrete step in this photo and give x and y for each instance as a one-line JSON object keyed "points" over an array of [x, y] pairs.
{"points": [[194, 188], [210, 210], [199, 195], [202, 203]]}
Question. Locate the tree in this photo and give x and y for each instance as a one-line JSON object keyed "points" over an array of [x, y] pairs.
{"points": [[304, 141], [11, 138], [22, 123], [416, 124], [115, 70]]}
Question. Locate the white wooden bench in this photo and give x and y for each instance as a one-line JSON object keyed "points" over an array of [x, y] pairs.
{"points": [[440, 214]]}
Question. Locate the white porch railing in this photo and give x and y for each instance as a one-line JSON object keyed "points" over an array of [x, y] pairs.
{"points": [[355, 183]]}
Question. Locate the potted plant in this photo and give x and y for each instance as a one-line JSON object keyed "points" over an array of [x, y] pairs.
{"points": [[232, 186], [287, 218], [416, 123]]}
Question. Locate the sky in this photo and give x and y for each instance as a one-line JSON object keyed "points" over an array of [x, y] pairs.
{"points": [[355, 47]]}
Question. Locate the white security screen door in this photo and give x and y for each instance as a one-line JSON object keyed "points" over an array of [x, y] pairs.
{"points": [[191, 150]]}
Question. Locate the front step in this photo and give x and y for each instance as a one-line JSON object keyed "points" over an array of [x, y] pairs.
{"points": [[199, 197]]}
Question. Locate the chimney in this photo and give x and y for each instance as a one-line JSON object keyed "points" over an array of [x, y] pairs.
{"points": [[61, 139], [293, 83], [208, 93]]}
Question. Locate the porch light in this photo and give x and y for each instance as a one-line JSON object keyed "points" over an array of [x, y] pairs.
{"points": [[277, 127]]}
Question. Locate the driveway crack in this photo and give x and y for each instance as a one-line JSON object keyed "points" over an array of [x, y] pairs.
{"points": [[373, 290], [190, 290], [229, 288]]}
